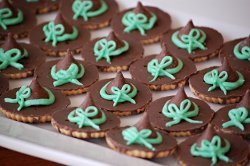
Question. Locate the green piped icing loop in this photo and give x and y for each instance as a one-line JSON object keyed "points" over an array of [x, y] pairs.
{"points": [[133, 136], [139, 21], [194, 40], [24, 93], [70, 75], [105, 49], [56, 33], [212, 149], [6, 18], [238, 117], [243, 54], [159, 69], [180, 113], [82, 9], [119, 95], [87, 117], [11, 58], [217, 79]]}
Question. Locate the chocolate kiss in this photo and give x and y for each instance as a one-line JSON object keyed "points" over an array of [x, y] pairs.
{"points": [[144, 123], [112, 36], [118, 81], [65, 63], [186, 29], [37, 91], [11, 43], [163, 53], [60, 20], [141, 9], [87, 102], [179, 97], [245, 101], [232, 74], [208, 134], [6, 4], [245, 42]]}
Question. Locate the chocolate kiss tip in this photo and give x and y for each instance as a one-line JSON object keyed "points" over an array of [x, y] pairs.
{"points": [[11, 43], [207, 134], [118, 81], [60, 20], [245, 101], [113, 36], [87, 102], [144, 123], [179, 97], [186, 29], [163, 53], [66, 61], [141, 9], [37, 91]]}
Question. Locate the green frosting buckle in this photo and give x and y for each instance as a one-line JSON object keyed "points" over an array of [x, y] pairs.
{"points": [[104, 49], [119, 95], [55, 33], [85, 117], [194, 40], [24, 93], [138, 21], [219, 80], [243, 54], [180, 113], [82, 9], [11, 58], [6, 20], [213, 150], [133, 136], [158, 69], [237, 116], [67, 76]]}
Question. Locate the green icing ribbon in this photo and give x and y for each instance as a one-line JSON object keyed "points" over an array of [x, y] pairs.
{"points": [[11, 58], [158, 69], [213, 150], [82, 9], [180, 113], [217, 79], [237, 116], [67, 76], [119, 95], [243, 54], [85, 117], [104, 49], [24, 93], [6, 20], [194, 40], [55, 33], [139, 21], [133, 136]]}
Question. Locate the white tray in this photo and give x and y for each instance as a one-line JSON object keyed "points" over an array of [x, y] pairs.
{"points": [[41, 140]]}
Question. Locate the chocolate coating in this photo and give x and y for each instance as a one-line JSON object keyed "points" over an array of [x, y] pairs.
{"points": [[227, 51], [161, 26], [43, 72], [66, 9], [4, 86], [213, 41]]}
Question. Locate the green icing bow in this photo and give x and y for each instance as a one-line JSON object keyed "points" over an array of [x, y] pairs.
{"points": [[85, 117], [67, 76], [55, 33], [243, 54], [119, 95], [138, 21], [213, 150], [82, 9], [104, 49], [219, 80], [158, 69], [180, 113], [195, 39], [6, 20], [24, 93], [237, 116], [133, 136], [11, 58]]}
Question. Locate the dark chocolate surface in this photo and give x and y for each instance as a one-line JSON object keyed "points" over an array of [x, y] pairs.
{"points": [[43, 72], [34, 59], [158, 120], [66, 9], [4, 86], [213, 42], [143, 97], [139, 71], [161, 26]]}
